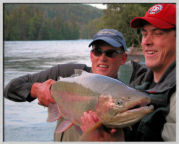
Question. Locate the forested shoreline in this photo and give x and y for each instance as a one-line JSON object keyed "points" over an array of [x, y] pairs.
{"points": [[46, 21], [69, 21]]}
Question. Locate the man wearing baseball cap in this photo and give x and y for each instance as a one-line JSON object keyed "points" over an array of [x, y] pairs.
{"points": [[162, 16], [158, 80], [157, 77], [107, 55], [114, 50]]}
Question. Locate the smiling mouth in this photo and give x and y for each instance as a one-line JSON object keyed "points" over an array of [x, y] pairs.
{"points": [[150, 52], [103, 66]]}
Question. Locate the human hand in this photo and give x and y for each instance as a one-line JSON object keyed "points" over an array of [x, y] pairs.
{"points": [[42, 92], [101, 133], [88, 120]]}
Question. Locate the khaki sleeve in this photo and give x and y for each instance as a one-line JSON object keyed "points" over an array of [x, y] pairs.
{"points": [[169, 130]]}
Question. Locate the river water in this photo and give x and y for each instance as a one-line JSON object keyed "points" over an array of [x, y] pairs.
{"points": [[26, 121]]}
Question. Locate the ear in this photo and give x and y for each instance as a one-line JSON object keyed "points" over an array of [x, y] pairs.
{"points": [[124, 58], [91, 56]]}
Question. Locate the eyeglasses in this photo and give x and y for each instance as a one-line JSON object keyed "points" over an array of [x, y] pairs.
{"points": [[109, 53]]}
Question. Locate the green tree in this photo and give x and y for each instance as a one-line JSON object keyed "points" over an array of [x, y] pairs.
{"points": [[118, 16], [46, 21]]}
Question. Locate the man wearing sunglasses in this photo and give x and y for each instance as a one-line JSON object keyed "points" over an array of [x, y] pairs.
{"points": [[108, 52], [157, 78], [107, 55]]}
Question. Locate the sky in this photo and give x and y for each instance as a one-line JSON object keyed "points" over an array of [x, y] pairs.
{"points": [[100, 6]]}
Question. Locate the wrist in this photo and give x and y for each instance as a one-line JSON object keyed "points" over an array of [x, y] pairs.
{"points": [[33, 91]]}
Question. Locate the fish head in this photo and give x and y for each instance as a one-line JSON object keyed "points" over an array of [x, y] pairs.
{"points": [[122, 111]]}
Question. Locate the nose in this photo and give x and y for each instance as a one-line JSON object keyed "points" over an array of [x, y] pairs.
{"points": [[147, 40], [103, 57]]}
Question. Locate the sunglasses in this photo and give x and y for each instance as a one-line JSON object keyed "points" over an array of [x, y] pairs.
{"points": [[109, 53]]}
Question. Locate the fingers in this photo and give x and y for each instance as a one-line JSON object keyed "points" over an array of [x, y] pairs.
{"points": [[100, 134], [88, 120], [43, 92], [83, 124], [90, 117], [113, 131], [94, 116], [50, 82]]}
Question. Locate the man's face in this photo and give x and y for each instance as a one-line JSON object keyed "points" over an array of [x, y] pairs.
{"points": [[159, 47], [105, 65]]}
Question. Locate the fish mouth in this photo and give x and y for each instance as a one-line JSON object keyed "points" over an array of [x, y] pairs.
{"points": [[135, 107], [142, 109], [140, 103], [130, 114], [132, 105], [122, 112], [128, 117]]}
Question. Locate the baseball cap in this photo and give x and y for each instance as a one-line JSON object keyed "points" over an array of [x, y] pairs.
{"points": [[162, 16], [110, 36]]}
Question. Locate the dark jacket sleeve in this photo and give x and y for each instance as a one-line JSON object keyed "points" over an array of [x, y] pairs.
{"points": [[19, 88]]}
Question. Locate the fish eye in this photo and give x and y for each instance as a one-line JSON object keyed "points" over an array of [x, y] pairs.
{"points": [[118, 102]]}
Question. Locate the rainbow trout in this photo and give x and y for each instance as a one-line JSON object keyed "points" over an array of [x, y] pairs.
{"points": [[116, 104]]}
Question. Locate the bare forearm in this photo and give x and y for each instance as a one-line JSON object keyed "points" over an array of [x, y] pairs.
{"points": [[19, 89]]}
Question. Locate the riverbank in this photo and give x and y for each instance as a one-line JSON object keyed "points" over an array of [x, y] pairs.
{"points": [[133, 51]]}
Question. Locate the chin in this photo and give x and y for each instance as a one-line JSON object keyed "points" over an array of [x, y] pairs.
{"points": [[103, 73], [151, 66]]}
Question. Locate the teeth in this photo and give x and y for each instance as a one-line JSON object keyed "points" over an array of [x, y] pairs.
{"points": [[103, 66], [150, 52]]}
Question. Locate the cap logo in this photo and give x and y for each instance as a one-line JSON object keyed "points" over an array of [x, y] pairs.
{"points": [[155, 9]]}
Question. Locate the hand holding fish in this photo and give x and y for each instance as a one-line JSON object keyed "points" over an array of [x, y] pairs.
{"points": [[42, 92], [89, 119]]}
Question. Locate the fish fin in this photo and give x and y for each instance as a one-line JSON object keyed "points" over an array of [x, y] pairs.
{"points": [[79, 72], [63, 126], [91, 132], [53, 113]]}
